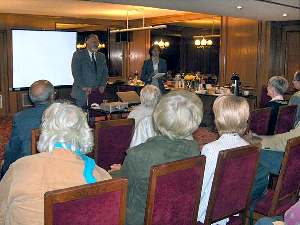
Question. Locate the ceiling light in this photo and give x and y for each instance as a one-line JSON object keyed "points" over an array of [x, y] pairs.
{"points": [[284, 14], [239, 7]]}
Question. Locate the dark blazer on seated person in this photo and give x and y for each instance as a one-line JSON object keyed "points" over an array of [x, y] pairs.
{"points": [[148, 72], [274, 105], [137, 165], [19, 144]]}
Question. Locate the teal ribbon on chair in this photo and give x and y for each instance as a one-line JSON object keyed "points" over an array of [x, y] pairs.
{"points": [[89, 164]]}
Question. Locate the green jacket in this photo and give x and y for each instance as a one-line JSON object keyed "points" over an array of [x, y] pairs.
{"points": [[137, 165]]}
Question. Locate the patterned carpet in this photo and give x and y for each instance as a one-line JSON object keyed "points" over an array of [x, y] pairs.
{"points": [[5, 130]]}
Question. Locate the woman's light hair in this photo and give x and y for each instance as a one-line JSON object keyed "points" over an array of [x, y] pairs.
{"points": [[279, 83], [231, 114], [150, 95], [67, 124], [178, 114]]}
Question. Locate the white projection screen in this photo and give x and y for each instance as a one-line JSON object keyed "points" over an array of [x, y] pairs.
{"points": [[42, 55]]}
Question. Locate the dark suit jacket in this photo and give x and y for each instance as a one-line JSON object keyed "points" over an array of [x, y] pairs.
{"points": [[147, 72], [84, 73], [137, 165], [19, 144], [274, 105]]}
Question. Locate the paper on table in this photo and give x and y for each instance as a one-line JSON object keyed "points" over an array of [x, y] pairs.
{"points": [[158, 75]]}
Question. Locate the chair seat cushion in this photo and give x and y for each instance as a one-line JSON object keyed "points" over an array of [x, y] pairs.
{"points": [[264, 204]]}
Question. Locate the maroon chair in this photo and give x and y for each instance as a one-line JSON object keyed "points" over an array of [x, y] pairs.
{"points": [[174, 192], [288, 184], [112, 139], [232, 185], [259, 121], [102, 203], [285, 119], [95, 97], [264, 98]]}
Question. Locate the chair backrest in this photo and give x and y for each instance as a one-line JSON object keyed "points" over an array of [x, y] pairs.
{"points": [[174, 192], [35, 134], [112, 139], [288, 184], [264, 98], [95, 97], [259, 121], [101, 203], [285, 119], [232, 184]]}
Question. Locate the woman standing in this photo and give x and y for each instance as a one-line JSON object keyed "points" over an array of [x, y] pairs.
{"points": [[153, 66]]}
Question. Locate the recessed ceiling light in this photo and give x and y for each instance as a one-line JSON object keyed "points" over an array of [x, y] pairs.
{"points": [[239, 7], [284, 14]]}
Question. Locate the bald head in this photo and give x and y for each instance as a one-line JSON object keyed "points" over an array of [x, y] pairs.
{"points": [[41, 91]]}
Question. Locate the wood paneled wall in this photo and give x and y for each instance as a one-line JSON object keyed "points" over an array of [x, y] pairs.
{"points": [[240, 42]]}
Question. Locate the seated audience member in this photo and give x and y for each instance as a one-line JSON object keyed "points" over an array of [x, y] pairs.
{"points": [[149, 97], [277, 86], [176, 116], [291, 217], [295, 99], [142, 114], [65, 138], [270, 159], [41, 94], [231, 116]]}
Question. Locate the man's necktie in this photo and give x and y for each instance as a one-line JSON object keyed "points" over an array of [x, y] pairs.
{"points": [[94, 61]]}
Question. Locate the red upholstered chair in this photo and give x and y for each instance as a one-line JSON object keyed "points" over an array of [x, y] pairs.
{"points": [[288, 184], [264, 98], [35, 134], [285, 119], [112, 139], [174, 192], [102, 203], [232, 184], [259, 121]]}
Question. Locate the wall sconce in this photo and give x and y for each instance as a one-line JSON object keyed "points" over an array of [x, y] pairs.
{"points": [[162, 44], [203, 43], [81, 46]]}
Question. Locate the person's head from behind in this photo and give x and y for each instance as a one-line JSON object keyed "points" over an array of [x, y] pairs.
{"points": [[92, 42], [154, 51], [65, 124], [41, 91], [277, 86], [231, 114], [150, 95], [178, 114], [296, 80]]}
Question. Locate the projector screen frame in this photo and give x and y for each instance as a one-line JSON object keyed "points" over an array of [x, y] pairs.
{"points": [[11, 56]]}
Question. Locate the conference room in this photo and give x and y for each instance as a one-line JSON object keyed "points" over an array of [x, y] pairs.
{"points": [[149, 112]]}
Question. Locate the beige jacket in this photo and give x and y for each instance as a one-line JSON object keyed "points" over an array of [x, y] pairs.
{"points": [[278, 142], [23, 186]]}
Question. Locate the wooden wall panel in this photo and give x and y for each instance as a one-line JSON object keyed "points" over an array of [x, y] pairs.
{"points": [[138, 51], [292, 61], [241, 43]]}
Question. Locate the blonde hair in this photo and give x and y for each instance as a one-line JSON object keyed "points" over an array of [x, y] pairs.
{"points": [[66, 124], [231, 114], [178, 114], [150, 95]]}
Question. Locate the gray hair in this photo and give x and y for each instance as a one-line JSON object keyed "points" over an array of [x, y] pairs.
{"points": [[41, 91], [297, 75], [178, 114], [67, 124], [150, 95], [279, 83]]}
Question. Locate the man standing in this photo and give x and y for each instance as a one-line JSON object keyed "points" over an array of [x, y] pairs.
{"points": [[89, 70], [41, 94]]}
